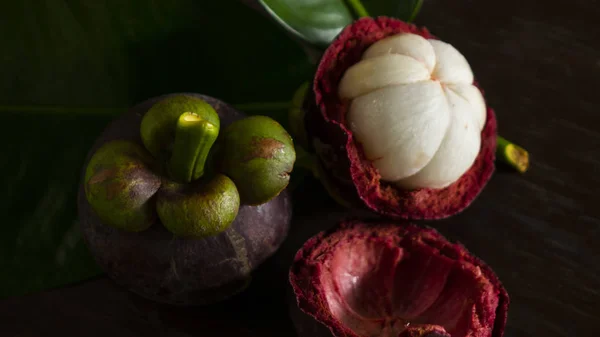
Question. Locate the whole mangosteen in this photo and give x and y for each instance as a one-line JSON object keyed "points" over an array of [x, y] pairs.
{"points": [[373, 278], [182, 197], [398, 123]]}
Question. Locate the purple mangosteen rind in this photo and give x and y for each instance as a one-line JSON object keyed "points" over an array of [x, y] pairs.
{"points": [[311, 309], [166, 268], [343, 157]]}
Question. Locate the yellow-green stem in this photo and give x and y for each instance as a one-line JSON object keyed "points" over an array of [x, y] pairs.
{"points": [[512, 154], [194, 138]]}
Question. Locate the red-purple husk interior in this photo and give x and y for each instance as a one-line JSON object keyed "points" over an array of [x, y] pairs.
{"points": [[344, 159], [399, 273]]}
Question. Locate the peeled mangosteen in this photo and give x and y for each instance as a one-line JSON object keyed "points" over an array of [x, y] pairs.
{"points": [[183, 196], [398, 123], [372, 278]]}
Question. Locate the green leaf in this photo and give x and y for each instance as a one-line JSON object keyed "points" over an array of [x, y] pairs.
{"points": [[40, 242], [317, 22], [113, 53], [69, 66]]}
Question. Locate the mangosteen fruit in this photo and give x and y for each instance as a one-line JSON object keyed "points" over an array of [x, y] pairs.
{"points": [[372, 278], [398, 122], [183, 196]]}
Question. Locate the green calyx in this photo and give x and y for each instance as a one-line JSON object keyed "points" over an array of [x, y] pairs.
{"points": [[187, 174], [258, 154], [200, 209], [119, 185]]}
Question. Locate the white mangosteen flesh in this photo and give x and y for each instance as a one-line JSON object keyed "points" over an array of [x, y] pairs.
{"points": [[415, 110]]}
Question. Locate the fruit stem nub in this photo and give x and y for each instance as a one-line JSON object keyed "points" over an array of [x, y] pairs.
{"points": [[512, 154], [194, 138]]}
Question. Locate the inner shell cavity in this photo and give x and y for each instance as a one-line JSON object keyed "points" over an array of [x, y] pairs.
{"points": [[378, 288]]}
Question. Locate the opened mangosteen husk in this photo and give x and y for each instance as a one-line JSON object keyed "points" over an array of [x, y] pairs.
{"points": [[156, 264], [341, 156], [373, 278]]}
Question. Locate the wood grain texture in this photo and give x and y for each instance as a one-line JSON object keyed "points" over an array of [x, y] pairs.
{"points": [[540, 67]]}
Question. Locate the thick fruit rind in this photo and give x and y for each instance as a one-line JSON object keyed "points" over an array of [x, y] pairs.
{"points": [[344, 159], [311, 260], [156, 264]]}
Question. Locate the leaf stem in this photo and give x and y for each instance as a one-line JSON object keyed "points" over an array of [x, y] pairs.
{"points": [[62, 109], [194, 138], [305, 160], [359, 8], [512, 154], [296, 115], [309, 162], [415, 12], [263, 106], [255, 106]]}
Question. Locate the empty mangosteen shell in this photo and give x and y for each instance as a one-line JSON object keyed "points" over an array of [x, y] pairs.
{"points": [[307, 304], [343, 158], [163, 268]]}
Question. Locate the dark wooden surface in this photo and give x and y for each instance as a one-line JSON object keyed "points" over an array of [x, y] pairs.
{"points": [[539, 63]]}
